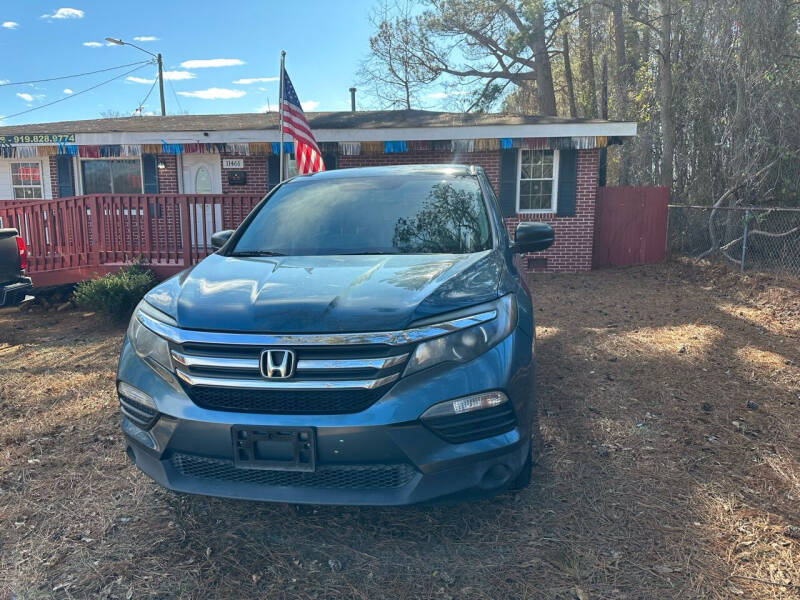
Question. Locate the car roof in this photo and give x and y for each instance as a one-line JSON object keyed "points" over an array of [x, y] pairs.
{"points": [[396, 171]]}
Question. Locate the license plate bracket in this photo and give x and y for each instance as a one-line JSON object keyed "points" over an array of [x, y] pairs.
{"points": [[274, 448]]}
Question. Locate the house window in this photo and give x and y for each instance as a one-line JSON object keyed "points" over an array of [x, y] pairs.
{"points": [[538, 181], [26, 179], [110, 176]]}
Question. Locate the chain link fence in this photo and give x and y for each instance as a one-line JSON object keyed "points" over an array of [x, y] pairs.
{"points": [[764, 239]]}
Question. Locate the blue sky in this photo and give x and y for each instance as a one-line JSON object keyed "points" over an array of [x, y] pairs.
{"points": [[324, 41]]}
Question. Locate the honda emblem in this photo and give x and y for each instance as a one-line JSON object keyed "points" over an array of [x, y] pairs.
{"points": [[277, 364]]}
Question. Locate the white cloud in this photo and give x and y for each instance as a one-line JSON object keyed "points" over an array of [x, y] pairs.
{"points": [[214, 94], [133, 79], [92, 44], [211, 62], [309, 104], [145, 38], [25, 96], [249, 80], [68, 91], [263, 108], [65, 13], [178, 75], [10, 24]]}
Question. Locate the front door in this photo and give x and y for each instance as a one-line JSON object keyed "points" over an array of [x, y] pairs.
{"points": [[202, 174]]}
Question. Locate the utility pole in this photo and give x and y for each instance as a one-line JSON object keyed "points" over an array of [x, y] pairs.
{"points": [[119, 42], [161, 84]]}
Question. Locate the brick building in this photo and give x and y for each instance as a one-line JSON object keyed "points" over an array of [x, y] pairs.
{"points": [[542, 168]]}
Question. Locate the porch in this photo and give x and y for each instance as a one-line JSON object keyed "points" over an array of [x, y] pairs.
{"points": [[76, 238]]}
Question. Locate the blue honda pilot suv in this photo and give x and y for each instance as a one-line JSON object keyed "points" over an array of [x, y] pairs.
{"points": [[362, 338]]}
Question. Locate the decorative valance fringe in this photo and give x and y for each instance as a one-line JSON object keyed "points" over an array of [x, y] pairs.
{"points": [[349, 148], [459, 146], [487, 144], [151, 148], [260, 149], [89, 151], [394, 147], [47, 150], [288, 147], [67, 149], [167, 148], [241, 149], [372, 147]]}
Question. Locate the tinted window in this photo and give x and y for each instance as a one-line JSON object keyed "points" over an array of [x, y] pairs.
{"points": [[412, 214]]}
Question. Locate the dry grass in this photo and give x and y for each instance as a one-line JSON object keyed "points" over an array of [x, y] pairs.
{"points": [[658, 480]]}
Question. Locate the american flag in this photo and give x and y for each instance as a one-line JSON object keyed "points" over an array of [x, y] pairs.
{"points": [[306, 151]]}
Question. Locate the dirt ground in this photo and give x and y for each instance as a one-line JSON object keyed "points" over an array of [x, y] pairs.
{"points": [[658, 480]]}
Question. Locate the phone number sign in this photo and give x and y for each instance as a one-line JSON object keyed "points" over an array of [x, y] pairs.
{"points": [[38, 138]]}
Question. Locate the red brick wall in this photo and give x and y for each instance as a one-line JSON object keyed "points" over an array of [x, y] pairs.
{"points": [[256, 167], [489, 160], [167, 177], [572, 249], [54, 175]]}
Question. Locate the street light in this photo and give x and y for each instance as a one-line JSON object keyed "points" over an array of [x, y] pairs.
{"points": [[160, 68]]}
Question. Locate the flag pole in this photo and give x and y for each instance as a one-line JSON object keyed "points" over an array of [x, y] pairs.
{"points": [[280, 113]]}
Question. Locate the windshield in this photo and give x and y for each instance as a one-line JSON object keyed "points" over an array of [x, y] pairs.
{"points": [[412, 214]]}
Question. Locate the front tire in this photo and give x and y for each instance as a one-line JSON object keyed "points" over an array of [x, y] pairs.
{"points": [[523, 478]]}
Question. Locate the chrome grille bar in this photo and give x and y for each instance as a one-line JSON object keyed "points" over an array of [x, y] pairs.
{"points": [[251, 364], [285, 384], [216, 362]]}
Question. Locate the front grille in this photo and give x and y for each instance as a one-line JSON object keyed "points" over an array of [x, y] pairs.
{"points": [[351, 477], [326, 379], [287, 402], [475, 425], [140, 414]]}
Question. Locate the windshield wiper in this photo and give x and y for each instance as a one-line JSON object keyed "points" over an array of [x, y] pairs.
{"points": [[257, 253], [365, 253]]}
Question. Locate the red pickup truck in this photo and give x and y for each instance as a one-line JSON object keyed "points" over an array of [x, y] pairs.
{"points": [[14, 285]]}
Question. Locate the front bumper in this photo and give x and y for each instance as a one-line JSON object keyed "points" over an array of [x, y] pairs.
{"points": [[383, 455]]}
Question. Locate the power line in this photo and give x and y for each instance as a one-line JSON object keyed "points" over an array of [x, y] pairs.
{"points": [[152, 87], [76, 75], [94, 87], [178, 102]]}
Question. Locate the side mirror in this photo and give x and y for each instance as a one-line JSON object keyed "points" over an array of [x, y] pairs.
{"points": [[532, 237], [219, 239]]}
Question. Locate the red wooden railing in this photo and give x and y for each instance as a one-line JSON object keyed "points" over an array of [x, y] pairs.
{"points": [[70, 239]]}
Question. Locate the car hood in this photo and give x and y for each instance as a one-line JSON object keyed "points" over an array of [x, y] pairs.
{"points": [[320, 294]]}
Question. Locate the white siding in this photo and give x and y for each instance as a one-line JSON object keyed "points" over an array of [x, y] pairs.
{"points": [[5, 180]]}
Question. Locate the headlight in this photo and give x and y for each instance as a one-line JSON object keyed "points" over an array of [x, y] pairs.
{"points": [[464, 345], [147, 344]]}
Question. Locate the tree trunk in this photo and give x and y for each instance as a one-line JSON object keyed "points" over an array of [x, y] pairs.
{"points": [[589, 104], [573, 108], [665, 96], [544, 74], [622, 85], [603, 115]]}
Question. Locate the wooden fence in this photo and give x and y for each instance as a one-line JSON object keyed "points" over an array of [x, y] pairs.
{"points": [[70, 239], [630, 226]]}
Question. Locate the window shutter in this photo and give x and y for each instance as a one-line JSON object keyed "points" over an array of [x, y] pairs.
{"points": [[273, 170], [508, 182], [330, 160], [66, 180], [150, 170], [567, 182]]}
